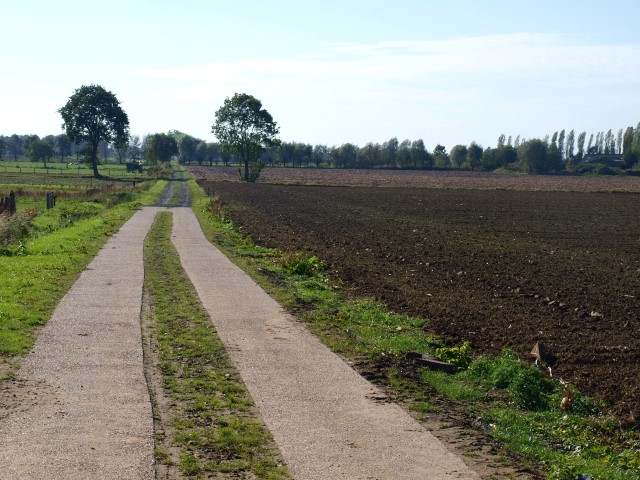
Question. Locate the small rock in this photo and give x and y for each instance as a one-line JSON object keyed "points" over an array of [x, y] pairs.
{"points": [[542, 353], [431, 362]]}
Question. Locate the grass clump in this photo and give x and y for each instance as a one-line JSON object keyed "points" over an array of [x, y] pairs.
{"points": [[529, 390], [498, 372], [210, 426], [522, 408], [567, 445], [457, 390], [13, 230], [298, 264]]}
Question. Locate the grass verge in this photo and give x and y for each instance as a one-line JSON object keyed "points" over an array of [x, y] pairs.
{"points": [[509, 400], [40, 268], [206, 423]]}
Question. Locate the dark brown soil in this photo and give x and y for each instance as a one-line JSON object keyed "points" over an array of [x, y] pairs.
{"points": [[428, 178], [501, 268]]}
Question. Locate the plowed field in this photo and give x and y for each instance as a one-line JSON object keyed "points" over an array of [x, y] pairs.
{"points": [[427, 178], [500, 268]]}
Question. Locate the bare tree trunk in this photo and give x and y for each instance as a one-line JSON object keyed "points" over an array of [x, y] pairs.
{"points": [[94, 160]]}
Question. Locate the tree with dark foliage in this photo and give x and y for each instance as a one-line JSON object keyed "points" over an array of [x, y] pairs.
{"points": [[245, 129], [93, 114]]}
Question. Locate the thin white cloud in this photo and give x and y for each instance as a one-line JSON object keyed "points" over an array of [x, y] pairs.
{"points": [[514, 79], [520, 54]]}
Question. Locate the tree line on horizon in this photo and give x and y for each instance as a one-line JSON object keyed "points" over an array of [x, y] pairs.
{"points": [[95, 125], [562, 151]]}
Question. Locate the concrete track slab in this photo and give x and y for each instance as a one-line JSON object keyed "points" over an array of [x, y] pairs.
{"points": [[85, 411], [328, 421]]}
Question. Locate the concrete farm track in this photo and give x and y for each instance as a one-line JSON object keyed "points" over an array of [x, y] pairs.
{"points": [[85, 410]]}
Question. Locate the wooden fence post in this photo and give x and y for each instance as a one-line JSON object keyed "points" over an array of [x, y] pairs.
{"points": [[51, 200], [8, 204]]}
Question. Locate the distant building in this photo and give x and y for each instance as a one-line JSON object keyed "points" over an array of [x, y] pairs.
{"points": [[612, 160]]}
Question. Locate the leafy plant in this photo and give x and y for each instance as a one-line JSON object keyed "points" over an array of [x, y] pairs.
{"points": [[297, 264], [579, 404], [498, 372], [458, 356]]}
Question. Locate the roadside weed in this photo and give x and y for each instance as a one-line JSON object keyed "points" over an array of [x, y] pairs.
{"points": [[458, 356]]}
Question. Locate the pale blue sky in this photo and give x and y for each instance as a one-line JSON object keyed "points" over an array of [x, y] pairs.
{"points": [[330, 72]]}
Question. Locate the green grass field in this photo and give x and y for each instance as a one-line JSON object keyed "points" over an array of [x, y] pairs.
{"points": [[42, 252], [62, 175], [60, 168]]}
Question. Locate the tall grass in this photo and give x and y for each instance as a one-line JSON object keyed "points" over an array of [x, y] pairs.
{"points": [[13, 229]]}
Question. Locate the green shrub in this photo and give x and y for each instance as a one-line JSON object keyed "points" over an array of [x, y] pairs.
{"points": [[529, 390], [595, 169], [497, 372], [579, 404], [506, 369]]}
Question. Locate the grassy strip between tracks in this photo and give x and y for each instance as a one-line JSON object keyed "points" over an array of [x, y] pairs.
{"points": [[511, 401], [42, 253], [205, 419]]}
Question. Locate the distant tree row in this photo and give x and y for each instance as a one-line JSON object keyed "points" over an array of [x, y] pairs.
{"points": [[390, 154], [61, 148], [36, 148], [154, 148], [566, 151], [558, 152]]}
